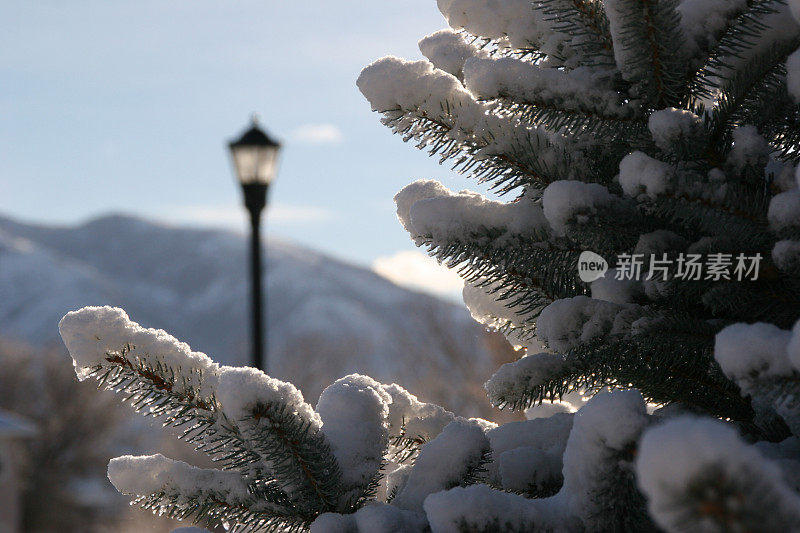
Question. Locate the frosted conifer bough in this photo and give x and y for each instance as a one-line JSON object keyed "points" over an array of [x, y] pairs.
{"points": [[661, 136], [282, 462]]}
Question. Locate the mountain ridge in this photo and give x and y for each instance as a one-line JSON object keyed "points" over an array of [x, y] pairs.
{"points": [[326, 317]]}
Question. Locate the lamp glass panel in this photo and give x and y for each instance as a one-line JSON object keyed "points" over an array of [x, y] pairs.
{"points": [[255, 164]]}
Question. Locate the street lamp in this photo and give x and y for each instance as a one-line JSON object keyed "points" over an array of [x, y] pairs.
{"points": [[255, 158]]}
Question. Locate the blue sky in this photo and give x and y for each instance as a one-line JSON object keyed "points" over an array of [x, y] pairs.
{"points": [[112, 106]]}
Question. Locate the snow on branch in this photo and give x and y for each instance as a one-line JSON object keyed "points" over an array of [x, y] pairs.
{"points": [[582, 89], [452, 458], [699, 474], [91, 334], [284, 432], [433, 108], [214, 497], [569, 322], [412, 420], [510, 23], [354, 410], [431, 212], [372, 518], [764, 361], [448, 51], [567, 201], [598, 457], [516, 384], [481, 508]]}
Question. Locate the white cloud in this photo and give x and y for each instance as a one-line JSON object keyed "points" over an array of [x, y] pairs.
{"points": [[418, 271], [318, 134], [234, 216]]}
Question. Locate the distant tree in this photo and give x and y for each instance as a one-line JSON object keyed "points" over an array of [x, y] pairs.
{"points": [[65, 468]]}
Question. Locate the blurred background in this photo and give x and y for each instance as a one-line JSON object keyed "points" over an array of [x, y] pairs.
{"points": [[116, 188]]}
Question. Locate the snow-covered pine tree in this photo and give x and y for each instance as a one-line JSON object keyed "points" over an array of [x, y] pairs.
{"points": [[664, 131]]}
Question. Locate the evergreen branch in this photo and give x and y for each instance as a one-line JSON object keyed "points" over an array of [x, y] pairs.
{"points": [[472, 152], [587, 24], [746, 86], [777, 118], [697, 217], [211, 509], [298, 455], [285, 447], [735, 39], [670, 361], [582, 121], [624, 508], [163, 392], [528, 275], [647, 49], [406, 448], [204, 495]]}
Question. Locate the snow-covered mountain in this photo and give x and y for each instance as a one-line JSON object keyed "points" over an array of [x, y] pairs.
{"points": [[326, 318]]}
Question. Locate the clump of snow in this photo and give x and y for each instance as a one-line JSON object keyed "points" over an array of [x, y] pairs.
{"points": [[549, 409], [546, 435], [427, 208], [413, 193], [608, 424], [526, 467], [793, 75], [643, 176], [784, 210], [777, 27], [149, 474], [749, 147], [702, 22], [678, 455], [241, 388], [91, 333], [333, 523], [581, 88], [427, 426], [670, 125], [568, 322], [391, 82], [373, 517], [485, 306], [354, 410], [513, 23], [448, 51], [444, 462], [512, 380], [416, 418], [480, 508], [566, 200], [610, 289], [793, 348], [783, 173], [397, 478], [786, 255], [659, 241], [748, 351]]}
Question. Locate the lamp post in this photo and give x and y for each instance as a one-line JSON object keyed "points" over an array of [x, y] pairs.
{"points": [[255, 157]]}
